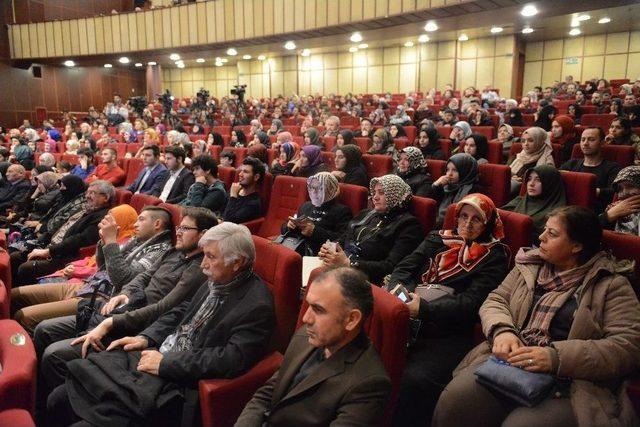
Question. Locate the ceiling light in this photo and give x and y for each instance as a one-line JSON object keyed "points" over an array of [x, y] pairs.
{"points": [[289, 45], [575, 32], [584, 17], [305, 52], [124, 60], [527, 30], [232, 52], [363, 46], [261, 57], [180, 65], [246, 56], [353, 49], [224, 60], [529, 10], [575, 23], [69, 63], [152, 63], [496, 30], [423, 38], [463, 38], [356, 37], [138, 64], [108, 65], [200, 60], [431, 26], [174, 57], [219, 64], [604, 20], [408, 44]]}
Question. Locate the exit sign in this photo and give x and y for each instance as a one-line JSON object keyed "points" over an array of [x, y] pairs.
{"points": [[571, 61]]}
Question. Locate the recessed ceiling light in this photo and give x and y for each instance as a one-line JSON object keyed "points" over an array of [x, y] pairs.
{"points": [[174, 57], [180, 61], [463, 38], [69, 63], [363, 46], [124, 60], [200, 60], [408, 44], [108, 65], [305, 52], [246, 56], [496, 30], [431, 26], [289, 45], [180, 65], [529, 10], [138, 64], [604, 20], [583, 17], [575, 23], [261, 57], [232, 52], [575, 32], [219, 64], [152, 63], [224, 60], [353, 49], [527, 30], [356, 37], [423, 38]]}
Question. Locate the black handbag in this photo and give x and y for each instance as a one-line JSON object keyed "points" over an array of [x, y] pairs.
{"points": [[295, 243], [87, 310]]}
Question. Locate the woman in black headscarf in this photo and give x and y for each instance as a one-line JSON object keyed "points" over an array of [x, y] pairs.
{"points": [[460, 179], [545, 117], [428, 142], [349, 166], [345, 137], [514, 117]]}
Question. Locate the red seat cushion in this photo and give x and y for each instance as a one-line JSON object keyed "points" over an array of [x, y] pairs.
{"points": [[18, 361], [16, 418]]}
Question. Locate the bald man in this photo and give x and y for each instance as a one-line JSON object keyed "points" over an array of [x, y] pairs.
{"points": [[14, 188]]}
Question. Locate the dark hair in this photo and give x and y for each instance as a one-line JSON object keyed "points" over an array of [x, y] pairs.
{"points": [[176, 151], [242, 138], [206, 163], [229, 155], [92, 143], [482, 145], [624, 123], [4, 152], [583, 227], [86, 151], [63, 164], [256, 165], [113, 151], [203, 217], [154, 148], [160, 213], [354, 287], [601, 134]]}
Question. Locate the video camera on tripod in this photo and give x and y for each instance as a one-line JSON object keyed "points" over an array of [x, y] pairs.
{"points": [[138, 103], [202, 96], [166, 99]]}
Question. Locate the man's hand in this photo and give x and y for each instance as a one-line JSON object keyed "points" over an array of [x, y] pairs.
{"points": [[113, 303], [39, 254], [108, 229], [234, 191], [69, 270], [94, 337], [31, 224], [150, 362], [130, 343], [201, 179], [414, 305]]}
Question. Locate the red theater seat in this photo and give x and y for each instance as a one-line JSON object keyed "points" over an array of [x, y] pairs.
{"points": [[132, 167], [227, 175], [377, 164], [580, 188], [214, 151], [123, 196], [436, 168], [363, 143], [624, 155], [16, 418], [139, 201], [494, 155], [495, 181], [329, 159], [353, 196], [425, 210], [624, 246], [329, 142], [18, 361], [599, 120], [176, 212]]}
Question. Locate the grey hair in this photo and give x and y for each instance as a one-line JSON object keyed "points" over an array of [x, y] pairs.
{"points": [[235, 242], [335, 119], [47, 159], [106, 188]]}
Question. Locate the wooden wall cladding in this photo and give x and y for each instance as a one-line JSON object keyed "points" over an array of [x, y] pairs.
{"points": [[28, 11], [204, 22]]}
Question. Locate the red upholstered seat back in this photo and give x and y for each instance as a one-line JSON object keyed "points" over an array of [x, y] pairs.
{"points": [[329, 142], [364, 143], [281, 269], [353, 196], [176, 213], [377, 164], [227, 175], [287, 195], [580, 188], [123, 196], [241, 153], [601, 120], [495, 181], [139, 201], [425, 210], [436, 168], [624, 155], [18, 377], [445, 146], [494, 154], [214, 151], [329, 159], [133, 167], [624, 246], [518, 229]]}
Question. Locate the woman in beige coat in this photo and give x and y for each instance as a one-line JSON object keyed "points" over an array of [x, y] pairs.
{"points": [[562, 310]]}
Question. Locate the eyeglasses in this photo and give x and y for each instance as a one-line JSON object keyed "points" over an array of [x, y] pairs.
{"points": [[183, 228], [473, 220]]}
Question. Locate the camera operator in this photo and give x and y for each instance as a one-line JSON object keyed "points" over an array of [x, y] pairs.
{"points": [[116, 111]]}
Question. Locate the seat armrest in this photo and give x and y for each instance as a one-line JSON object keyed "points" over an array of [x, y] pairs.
{"points": [[254, 225]]}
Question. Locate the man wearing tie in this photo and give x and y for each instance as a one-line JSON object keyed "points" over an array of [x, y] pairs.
{"points": [[150, 178]]}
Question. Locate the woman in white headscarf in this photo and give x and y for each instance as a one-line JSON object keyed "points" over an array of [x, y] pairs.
{"points": [[536, 151], [460, 132]]}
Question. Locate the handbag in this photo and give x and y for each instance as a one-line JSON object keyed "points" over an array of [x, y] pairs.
{"points": [[524, 387], [295, 243], [432, 291]]}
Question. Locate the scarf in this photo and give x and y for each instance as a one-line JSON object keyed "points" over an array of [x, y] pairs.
{"points": [[314, 136], [542, 151], [466, 130], [385, 141], [416, 160], [568, 130], [353, 155], [329, 188], [314, 154], [509, 129], [467, 168], [396, 191], [263, 138], [58, 236], [48, 179], [291, 150], [631, 223], [559, 287]]}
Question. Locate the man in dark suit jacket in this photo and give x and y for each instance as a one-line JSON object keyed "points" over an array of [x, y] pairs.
{"points": [[14, 188], [174, 188], [331, 374], [150, 177], [220, 333]]}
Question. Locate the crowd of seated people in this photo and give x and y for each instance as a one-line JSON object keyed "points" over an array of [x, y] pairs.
{"points": [[146, 301]]}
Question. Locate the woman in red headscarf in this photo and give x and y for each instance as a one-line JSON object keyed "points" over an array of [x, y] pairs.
{"points": [[448, 278], [563, 132]]}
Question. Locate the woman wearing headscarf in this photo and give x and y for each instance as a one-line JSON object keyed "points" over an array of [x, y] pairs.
{"points": [[480, 118], [505, 136], [276, 127], [310, 162], [621, 133], [563, 132], [461, 178], [345, 137], [545, 117], [536, 150], [467, 261], [616, 107], [349, 166], [623, 215], [281, 138], [477, 147], [460, 132], [24, 154], [565, 311], [312, 137], [575, 110], [514, 117], [544, 192], [412, 169], [260, 137], [397, 131], [322, 218], [289, 154], [400, 117], [72, 189], [383, 145], [428, 142], [378, 238]]}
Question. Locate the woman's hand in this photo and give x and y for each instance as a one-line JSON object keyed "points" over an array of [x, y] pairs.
{"points": [[532, 359], [443, 180], [339, 175], [414, 305], [504, 344], [306, 228], [69, 270], [291, 225], [331, 257], [628, 206]]}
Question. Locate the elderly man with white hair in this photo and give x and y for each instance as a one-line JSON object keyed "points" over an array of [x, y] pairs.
{"points": [[332, 126], [220, 333], [47, 159]]}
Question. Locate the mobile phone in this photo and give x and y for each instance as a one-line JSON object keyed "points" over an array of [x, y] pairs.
{"points": [[402, 293], [333, 246]]}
